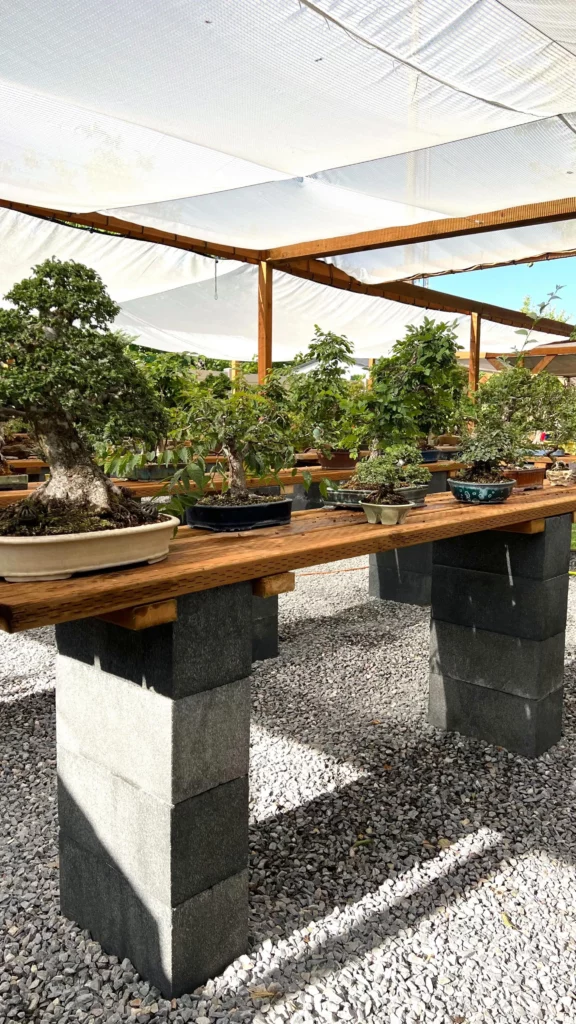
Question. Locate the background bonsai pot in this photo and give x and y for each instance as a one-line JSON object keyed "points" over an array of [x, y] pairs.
{"points": [[529, 478], [339, 459], [430, 455], [57, 557], [231, 518], [14, 482], [387, 515], [348, 497], [472, 493], [414, 493]]}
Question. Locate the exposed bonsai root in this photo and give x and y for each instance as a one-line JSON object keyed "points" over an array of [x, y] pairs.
{"points": [[37, 516], [385, 496]]}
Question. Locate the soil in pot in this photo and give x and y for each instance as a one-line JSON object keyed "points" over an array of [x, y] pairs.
{"points": [[223, 513]]}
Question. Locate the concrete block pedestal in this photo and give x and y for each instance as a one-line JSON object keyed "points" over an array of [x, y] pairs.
{"points": [[405, 574], [499, 604], [153, 748]]}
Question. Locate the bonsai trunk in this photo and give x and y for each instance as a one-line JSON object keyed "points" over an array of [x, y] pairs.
{"points": [[236, 475], [74, 476]]}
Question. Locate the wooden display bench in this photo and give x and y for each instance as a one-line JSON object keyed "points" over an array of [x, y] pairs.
{"points": [[153, 701]]}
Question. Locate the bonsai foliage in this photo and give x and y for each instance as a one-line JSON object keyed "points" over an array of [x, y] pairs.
{"points": [[530, 401], [419, 390], [398, 466], [324, 411], [250, 424], [491, 446], [69, 376]]}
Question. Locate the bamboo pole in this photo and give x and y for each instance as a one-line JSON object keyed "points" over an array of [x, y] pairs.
{"points": [[474, 361], [265, 273]]}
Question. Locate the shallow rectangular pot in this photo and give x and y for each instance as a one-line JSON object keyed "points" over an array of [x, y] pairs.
{"points": [[14, 482], [31, 559], [387, 515]]}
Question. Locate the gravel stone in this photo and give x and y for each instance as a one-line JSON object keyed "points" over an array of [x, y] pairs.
{"points": [[398, 875]]}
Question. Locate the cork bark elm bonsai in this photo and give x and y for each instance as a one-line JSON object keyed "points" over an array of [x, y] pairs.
{"points": [[65, 372]]}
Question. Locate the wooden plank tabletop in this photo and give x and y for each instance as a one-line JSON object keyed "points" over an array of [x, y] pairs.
{"points": [[200, 560], [151, 488]]}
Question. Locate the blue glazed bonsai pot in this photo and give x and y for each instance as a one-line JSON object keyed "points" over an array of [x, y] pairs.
{"points": [[481, 494]]}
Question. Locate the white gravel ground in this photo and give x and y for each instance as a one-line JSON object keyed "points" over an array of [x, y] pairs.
{"points": [[398, 874]]}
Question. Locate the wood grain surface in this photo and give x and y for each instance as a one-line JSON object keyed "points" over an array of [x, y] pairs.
{"points": [[200, 561]]}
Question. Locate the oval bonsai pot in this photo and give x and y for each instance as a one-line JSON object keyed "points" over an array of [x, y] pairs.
{"points": [[14, 482], [340, 459], [387, 515], [480, 494], [347, 497], [414, 493], [530, 478], [32, 559], [234, 518]]}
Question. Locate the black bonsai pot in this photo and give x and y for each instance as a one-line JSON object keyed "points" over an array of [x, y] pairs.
{"points": [[231, 518]]}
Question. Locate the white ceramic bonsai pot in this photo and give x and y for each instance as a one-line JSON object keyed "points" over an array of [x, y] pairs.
{"points": [[388, 515], [31, 559]]}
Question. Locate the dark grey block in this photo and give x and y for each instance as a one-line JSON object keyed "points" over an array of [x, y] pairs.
{"points": [[169, 852], [209, 644], [523, 726], [176, 949], [264, 628], [417, 558], [405, 587], [527, 668], [303, 499], [524, 607], [541, 556], [439, 482]]}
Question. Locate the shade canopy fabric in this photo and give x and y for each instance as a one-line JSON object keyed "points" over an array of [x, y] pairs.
{"points": [[181, 302], [262, 124]]}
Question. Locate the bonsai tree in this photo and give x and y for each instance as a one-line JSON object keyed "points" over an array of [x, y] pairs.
{"points": [[533, 401], [398, 466], [490, 447], [251, 426], [420, 387], [68, 375], [324, 411]]}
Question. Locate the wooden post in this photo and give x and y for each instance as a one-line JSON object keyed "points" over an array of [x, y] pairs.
{"points": [[234, 368], [370, 368], [264, 320], [474, 362]]}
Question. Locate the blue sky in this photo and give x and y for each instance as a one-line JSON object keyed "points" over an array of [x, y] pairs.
{"points": [[507, 286]]}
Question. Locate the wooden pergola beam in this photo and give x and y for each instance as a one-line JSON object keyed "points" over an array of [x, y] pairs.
{"points": [[542, 364], [127, 229], [415, 295], [430, 230], [265, 277]]}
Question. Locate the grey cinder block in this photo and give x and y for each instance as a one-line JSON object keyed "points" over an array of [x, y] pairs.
{"points": [[209, 644], [523, 726], [540, 556], [527, 668], [520, 606], [404, 574], [176, 950], [264, 627]]}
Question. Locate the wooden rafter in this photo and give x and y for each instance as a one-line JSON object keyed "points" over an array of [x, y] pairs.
{"points": [[414, 295], [428, 231], [127, 229], [542, 364]]}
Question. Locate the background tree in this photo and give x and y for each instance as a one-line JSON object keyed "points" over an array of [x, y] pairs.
{"points": [[322, 398], [531, 401], [69, 376]]}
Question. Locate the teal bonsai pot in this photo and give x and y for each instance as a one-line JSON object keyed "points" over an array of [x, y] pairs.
{"points": [[481, 494]]}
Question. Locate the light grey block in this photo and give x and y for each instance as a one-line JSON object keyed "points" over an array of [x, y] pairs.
{"points": [[175, 949], [170, 852], [527, 668], [540, 556], [171, 749]]}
